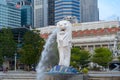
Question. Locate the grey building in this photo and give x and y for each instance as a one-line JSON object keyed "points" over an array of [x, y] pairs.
{"points": [[40, 13], [10, 16], [89, 10]]}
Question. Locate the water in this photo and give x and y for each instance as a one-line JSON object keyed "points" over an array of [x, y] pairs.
{"points": [[49, 57]]}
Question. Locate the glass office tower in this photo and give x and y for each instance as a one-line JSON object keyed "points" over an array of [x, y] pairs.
{"points": [[9, 15], [65, 8], [26, 16], [40, 13], [51, 12]]}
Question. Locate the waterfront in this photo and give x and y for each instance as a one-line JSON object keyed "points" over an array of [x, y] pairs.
{"points": [[25, 75]]}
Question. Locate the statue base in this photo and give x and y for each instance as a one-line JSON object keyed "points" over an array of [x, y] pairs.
{"points": [[61, 76], [63, 69], [59, 72]]}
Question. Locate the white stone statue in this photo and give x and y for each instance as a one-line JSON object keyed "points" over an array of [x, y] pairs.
{"points": [[64, 37]]}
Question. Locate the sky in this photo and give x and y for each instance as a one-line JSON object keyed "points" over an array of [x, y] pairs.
{"points": [[109, 9]]}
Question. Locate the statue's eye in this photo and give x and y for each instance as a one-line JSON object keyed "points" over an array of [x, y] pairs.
{"points": [[59, 24]]}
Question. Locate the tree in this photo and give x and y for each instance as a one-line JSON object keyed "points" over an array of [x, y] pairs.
{"points": [[75, 57], [7, 44], [102, 56], [27, 55], [79, 57], [85, 56], [1, 59], [32, 47]]}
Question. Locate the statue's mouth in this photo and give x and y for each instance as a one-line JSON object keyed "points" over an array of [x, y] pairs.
{"points": [[62, 29]]}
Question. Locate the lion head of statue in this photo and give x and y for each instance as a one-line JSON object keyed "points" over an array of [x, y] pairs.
{"points": [[63, 25]]}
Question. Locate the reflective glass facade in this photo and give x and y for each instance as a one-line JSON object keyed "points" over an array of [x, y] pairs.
{"points": [[9, 16], [26, 15], [3, 2], [51, 12], [65, 8]]}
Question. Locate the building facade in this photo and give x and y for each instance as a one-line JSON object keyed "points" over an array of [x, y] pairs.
{"points": [[89, 10], [9, 15], [40, 13], [51, 12], [26, 16], [91, 35], [26, 11], [64, 8]]}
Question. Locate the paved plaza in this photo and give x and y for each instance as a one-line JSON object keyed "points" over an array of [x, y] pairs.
{"points": [[17, 75], [105, 74], [25, 75]]}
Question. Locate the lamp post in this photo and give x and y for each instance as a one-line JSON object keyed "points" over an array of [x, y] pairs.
{"points": [[15, 60]]}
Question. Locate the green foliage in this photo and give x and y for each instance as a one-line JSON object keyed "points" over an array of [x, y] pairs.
{"points": [[75, 57], [1, 59], [85, 70], [102, 56], [79, 57], [28, 56], [119, 58], [85, 55], [7, 43], [32, 47]]}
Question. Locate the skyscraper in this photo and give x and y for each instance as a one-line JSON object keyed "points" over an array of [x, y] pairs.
{"points": [[9, 15], [26, 16], [51, 12], [40, 13], [26, 12], [65, 8], [89, 10]]}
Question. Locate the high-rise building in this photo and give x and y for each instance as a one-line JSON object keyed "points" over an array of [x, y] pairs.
{"points": [[9, 15], [26, 12], [89, 10], [65, 8], [51, 12], [26, 16], [23, 2], [40, 13]]}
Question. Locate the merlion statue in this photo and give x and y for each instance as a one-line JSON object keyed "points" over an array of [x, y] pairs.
{"points": [[64, 37]]}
